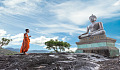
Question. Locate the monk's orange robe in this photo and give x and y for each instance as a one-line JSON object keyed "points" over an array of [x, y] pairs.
{"points": [[25, 44]]}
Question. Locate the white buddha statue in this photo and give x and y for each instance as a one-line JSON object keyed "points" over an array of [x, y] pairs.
{"points": [[95, 28]]}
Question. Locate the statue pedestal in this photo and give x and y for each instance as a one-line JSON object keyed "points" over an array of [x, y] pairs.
{"points": [[99, 44]]}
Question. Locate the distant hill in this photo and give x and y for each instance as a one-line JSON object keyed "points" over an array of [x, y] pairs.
{"points": [[7, 52], [13, 49], [29, 51]]}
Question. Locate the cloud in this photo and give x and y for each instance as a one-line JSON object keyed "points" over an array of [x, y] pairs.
{"points": [[44, 47], [78, 12], [17, 39], [2, 32], [118, 44], [41, 40], [63, 17], [46, 18], [117, 3], [64, 38], [59, 28], [73, 16], [72, 49], [20, 7]]}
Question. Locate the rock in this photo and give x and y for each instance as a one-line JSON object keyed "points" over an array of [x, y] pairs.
{"points": [[48, 61]]}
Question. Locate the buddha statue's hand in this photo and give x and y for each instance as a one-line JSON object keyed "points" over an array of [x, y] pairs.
{"points": [[79, 36]]}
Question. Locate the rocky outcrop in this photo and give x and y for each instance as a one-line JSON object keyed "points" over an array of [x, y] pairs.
{"points": [[51, 61]]}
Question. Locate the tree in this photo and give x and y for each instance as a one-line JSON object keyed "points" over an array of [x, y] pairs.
{"points": [[4, 41], [57, 45]]}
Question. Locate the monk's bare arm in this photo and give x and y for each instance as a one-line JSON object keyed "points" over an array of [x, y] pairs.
{"points": [[29, 36], [25, 35]]}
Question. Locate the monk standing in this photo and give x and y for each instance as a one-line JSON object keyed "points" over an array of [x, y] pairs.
{"points": [[25, 44]]}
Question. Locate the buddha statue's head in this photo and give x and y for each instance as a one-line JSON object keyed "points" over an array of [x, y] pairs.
{"points": [[92, 18]]}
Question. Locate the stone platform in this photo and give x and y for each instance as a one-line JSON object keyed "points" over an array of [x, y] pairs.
{"points": [[99, 44]]}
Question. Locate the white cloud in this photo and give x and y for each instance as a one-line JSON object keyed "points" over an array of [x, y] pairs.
{"points": [[72, 49], [17, 39], [118, 44], [2, 32], [21, 7], [45, 47], [65, 17], [59, 28], [117, 3], [72, 16], [78, 12], [64, 38], [20, 35], [41, 40]]}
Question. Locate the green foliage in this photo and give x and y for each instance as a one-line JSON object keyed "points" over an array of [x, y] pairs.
{"points": [[4, 41], [57, 46]]}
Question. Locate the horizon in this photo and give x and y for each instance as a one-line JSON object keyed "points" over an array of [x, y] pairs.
{"points": [[56, 19]]}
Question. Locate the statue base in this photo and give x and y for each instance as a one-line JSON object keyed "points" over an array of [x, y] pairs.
{"points": [[99, 44]]}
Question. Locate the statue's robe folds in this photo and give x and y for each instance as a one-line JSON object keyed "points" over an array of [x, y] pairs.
{"points": [[25, 44]]}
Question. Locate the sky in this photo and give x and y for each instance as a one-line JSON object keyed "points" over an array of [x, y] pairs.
{"points": [[64, 20]]}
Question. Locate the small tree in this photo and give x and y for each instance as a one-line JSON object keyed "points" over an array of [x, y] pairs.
{"points": [[4, 41], [57, 45]]}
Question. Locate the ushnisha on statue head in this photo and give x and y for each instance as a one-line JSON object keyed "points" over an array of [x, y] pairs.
{"points": [[96, 28]]}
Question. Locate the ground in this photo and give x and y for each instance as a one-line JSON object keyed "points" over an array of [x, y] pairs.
{"points": [[60, 61], [111, 64]]}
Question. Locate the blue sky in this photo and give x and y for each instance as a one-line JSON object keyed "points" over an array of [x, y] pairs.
{"points": [[56, 19]]}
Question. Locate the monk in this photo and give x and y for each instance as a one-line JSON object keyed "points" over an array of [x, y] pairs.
{"points": [[25, 44]]}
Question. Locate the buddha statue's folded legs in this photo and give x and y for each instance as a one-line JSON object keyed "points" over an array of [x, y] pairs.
{"points": [[100, 32]]}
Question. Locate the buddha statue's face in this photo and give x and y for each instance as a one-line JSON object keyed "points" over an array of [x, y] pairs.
{"points": [[92, 18]]}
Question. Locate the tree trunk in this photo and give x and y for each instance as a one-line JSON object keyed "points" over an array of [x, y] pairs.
{"points": [[56, 49], [1, 46], [60, 48]]}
